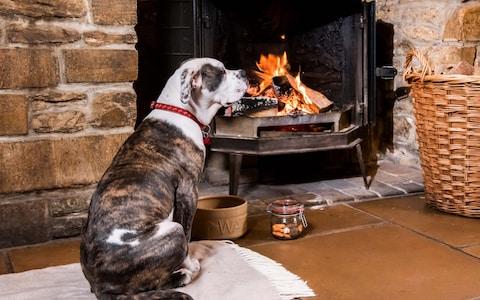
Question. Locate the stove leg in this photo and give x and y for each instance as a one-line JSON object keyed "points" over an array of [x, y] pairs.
{"points": [[358, 147], [234, 168]]}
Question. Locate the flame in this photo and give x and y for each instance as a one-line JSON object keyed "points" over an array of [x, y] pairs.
{"points": [[270, 66], [302, 90], [297, 100]]}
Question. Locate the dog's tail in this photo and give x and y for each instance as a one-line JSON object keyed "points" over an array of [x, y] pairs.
{"points": [[149, 295]]}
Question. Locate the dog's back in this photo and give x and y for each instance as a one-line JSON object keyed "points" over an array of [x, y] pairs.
{"points": [[129, 243]]}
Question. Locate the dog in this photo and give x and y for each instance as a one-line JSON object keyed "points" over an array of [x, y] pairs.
{"points": [[134, 244]]}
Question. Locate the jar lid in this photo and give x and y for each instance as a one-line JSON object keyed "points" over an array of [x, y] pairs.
{"points": [[285, 207]]}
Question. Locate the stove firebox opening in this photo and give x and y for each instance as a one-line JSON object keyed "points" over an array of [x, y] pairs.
{"points": [[293, 42]]}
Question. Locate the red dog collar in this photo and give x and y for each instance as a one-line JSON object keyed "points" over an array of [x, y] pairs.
{"points": [[205, 128]]}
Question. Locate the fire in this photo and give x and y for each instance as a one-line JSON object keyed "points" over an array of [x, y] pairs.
{"points": [[292, 93], [270, 66], [302, 90]]}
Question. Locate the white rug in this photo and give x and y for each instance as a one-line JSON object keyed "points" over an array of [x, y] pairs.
{"points": [[229, 272]]}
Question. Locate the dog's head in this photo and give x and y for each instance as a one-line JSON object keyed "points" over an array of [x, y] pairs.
{"points": [[206, 80]]}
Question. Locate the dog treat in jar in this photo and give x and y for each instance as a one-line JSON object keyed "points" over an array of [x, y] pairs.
{"points": [[287, 219]]}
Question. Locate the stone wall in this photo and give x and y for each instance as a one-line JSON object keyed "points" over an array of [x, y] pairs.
{"points": [[67, 104], [447, 31]]}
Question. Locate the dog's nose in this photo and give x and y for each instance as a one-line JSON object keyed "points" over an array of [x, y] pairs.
{"points": [[242, 73]]}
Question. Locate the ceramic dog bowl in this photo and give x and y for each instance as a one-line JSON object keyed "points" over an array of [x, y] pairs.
{"points": [[220, 217]]}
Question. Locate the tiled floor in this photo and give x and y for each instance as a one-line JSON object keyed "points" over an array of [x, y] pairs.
{"points": [[393, 248]]}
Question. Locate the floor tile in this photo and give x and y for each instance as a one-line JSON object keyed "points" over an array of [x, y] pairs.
{"points": [[397, 169], [381, 262], [45, 255], [342, 183], [360, 193], [412, 212], [325, 221], [474, 250], [384, 190], [256, 207], [3, 264]]}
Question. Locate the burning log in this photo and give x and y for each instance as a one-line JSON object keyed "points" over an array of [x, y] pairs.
{"points": [[294, 97], [250, 105], [320, 100]]}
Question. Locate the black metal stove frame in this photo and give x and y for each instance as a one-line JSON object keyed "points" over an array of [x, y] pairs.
{"points": [[237, 136]]}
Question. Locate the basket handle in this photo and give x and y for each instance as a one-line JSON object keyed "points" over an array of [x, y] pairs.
{"points": [[414, 53]]}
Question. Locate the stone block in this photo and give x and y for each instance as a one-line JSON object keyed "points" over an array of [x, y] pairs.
{"points": [[65, 202], [100, 65], [433, 15], [462, 68], [60, 162], [446, 57], [339, 184], [68, 226], [421, 33], [28, 68], [410, 187], [384, 190], [60, 121], [385, 10], [23, 222], [41, 34], [57, 96], [56, 100], [360, 193], [42, 8], [471, 23], [114, 12], [399, 170], [404, 130], [331, 195], [13, 115], [98, 38], [114, 109], [464, 24], [267, 192]]}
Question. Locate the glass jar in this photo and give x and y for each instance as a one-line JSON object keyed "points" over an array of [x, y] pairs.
{"points": [[287, 219]]}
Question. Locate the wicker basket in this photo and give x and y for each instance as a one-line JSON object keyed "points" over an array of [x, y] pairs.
{"points": [[447, 112]]}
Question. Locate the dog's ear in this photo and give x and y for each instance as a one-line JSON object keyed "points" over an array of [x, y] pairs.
{"points": [[211, 76], [191, 81], [188, 82]]}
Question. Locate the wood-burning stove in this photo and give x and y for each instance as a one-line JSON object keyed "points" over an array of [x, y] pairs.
{"points": [[331, 42]]}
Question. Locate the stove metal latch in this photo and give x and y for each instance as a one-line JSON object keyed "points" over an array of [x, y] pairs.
{"points": [[386, 72]]}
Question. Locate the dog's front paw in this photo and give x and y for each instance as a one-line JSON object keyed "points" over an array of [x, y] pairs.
{"points": [[187, 276], [195, 266], [190, 269]]}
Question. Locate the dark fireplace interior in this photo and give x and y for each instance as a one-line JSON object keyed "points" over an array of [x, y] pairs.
{"points": [[323, 46], [332, 46]]}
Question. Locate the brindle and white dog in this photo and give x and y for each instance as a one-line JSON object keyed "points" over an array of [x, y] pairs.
{"points": [[135, 242]]}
